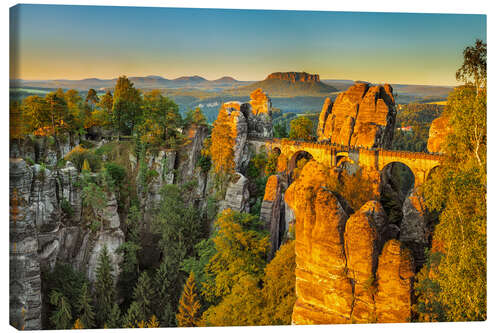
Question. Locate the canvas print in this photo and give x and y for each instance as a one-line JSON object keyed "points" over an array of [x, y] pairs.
{"points": [[174, 167]]}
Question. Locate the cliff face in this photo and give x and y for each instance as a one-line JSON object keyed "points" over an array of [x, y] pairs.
{"points": [[272, 213], [438, 131], [48, 224], [24, 279], [347, 271], [248, 119], [363, 115], [293, 77]]}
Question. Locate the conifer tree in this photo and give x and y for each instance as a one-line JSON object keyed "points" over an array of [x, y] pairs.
{"points": [[115, 317], [84, 307], [132, 317], [166, 289], [61, 317], [143, 294], [104, 289], [188, 305]]}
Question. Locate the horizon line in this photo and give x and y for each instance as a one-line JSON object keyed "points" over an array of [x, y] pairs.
{"points": [[230, 76]]}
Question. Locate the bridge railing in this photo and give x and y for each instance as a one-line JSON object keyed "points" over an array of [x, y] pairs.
{"points": [[327, 144]]}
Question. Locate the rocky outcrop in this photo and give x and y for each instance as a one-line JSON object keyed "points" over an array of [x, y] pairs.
{"points": [[272, 213], [342, 274], [363, 116], [42, 149], [324, 292], [362, 244], [394, 277], [238, 123], [294, 77], [87, 259], [252, 119], [415, 230], [237, 195], [260, 122], [24, 279], [438, 132], [188, 157], [46, 227]]}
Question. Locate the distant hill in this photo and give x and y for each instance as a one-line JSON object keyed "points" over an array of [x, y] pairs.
{"points": [[226, 79], [190, 79], [288, 84], [142, 82]]}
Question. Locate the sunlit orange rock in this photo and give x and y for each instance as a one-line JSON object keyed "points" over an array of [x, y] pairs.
{"points": [[363, 115], [294, 77], [339, 260], [438, 131], [324, 292], [362, 241], [394, 276]]}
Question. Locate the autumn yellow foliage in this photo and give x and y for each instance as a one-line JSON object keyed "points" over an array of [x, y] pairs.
{"points": [[188, 305], [222, 142]]}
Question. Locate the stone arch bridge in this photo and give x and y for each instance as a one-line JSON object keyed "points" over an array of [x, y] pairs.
{"points": [[375, 159]]}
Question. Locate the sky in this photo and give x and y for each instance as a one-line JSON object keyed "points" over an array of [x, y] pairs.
{"points": [[77, 42]]}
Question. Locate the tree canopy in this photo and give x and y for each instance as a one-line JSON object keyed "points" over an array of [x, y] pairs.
{"points": [[301, 128]]}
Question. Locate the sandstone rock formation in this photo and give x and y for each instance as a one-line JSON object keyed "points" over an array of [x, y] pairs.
{"points": [[24, 279], [362, 243], [342, 274], [237, 195], [272, 213], [415, 229], [394, 276], [438, 131], [252, 119], [294, 76], [363, 116], [42, 149], [260, 122], [239, 132], [188, 158], [42, 233]]}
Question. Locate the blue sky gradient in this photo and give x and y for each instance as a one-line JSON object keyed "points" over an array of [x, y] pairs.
{"points": [[75, 42]]}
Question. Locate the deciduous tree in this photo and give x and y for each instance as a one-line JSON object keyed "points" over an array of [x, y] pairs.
{"points": [[189, 306], [301, 128]]}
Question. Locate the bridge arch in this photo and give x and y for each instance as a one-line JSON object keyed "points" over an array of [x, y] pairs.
{"points": [[399, 175], [295, 159]]}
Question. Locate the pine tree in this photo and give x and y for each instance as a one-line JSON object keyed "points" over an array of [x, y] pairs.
{"points": [[104, 289], [85, 308], [188, 305], [115, 317], [143, 294], [132, 317], [61, 317]]}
